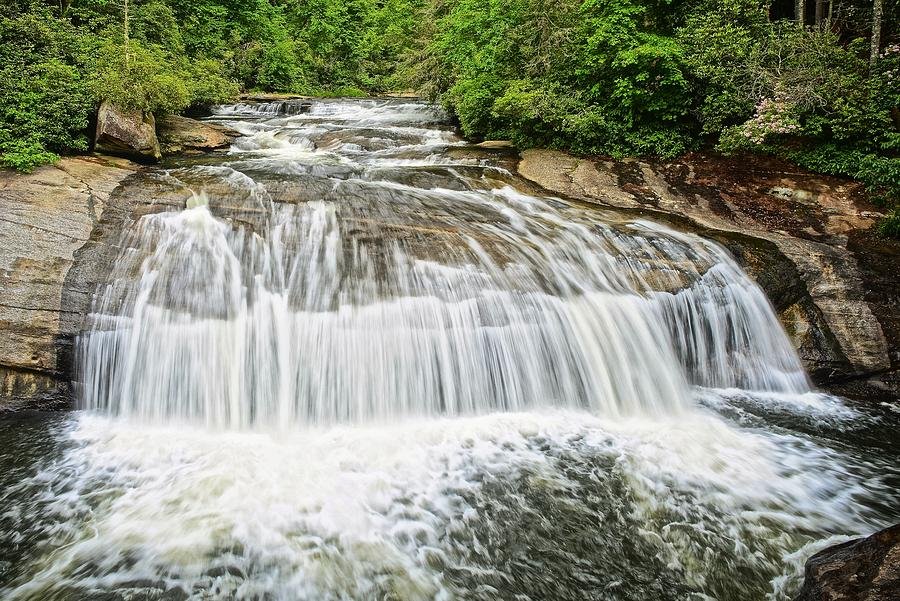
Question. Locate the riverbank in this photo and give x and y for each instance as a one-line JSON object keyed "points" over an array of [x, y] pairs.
{"points": [[48, 217]]}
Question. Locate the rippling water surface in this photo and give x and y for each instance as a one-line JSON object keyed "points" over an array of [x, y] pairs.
{"points": [[356, 358]]}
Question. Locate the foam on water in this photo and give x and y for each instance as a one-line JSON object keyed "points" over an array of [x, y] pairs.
{"points": [[436, 509]]}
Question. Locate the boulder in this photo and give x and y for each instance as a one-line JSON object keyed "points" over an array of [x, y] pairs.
{"points": [[495, 144], [182, 134], [131, 134], [864, 569]]}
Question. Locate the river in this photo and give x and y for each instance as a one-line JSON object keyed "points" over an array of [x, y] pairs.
{"points": [[360, 359]]}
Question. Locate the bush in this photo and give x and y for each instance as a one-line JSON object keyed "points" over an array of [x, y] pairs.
{"points": [[890, 225], [45, 102], [141, 78], [279, 68], [208, 84], [601, 76]]}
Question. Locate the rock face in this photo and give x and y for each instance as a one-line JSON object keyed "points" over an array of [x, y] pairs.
{"points": [[181, 134], [865, 569], [806, 239], [130, 134], [47, 217]]}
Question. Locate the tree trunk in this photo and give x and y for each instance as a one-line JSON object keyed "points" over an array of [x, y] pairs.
{"points": [[877, 13], [820, 11], [127, 38], [800, 11]]}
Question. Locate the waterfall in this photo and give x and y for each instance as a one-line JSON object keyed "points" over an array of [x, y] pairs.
{"points": [[355, 357], [401, 280]]}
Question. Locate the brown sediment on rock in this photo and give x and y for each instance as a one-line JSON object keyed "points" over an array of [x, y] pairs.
{"points": [[807, 239]]}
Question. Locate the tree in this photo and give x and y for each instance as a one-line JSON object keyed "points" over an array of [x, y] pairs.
{"points": [[877, 12], [820, 11]]}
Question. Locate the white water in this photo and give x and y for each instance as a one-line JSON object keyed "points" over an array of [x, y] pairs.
{"points": [[423, 302], [361, 365]]}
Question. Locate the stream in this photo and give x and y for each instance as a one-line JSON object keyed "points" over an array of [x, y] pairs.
{"points": [[358, 358]]}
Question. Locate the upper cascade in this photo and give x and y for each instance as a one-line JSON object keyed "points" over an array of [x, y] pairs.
{"points": [[358, 262]]}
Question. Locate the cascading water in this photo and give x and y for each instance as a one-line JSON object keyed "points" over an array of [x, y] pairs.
{"points": [[358, 361], [459, 298]]}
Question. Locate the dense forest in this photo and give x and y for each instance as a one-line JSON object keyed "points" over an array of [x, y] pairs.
{"points": [[815, 82]]}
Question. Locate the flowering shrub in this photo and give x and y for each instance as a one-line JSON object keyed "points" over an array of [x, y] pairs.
{"points": [[773, 117]]}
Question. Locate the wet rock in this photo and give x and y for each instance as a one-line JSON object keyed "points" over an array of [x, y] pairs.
{"points": [[47, 217], [865, 569], [130, 134], [182, 134], [806, 239], [282, 104]]}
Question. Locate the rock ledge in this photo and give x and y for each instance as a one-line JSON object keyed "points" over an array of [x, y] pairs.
{"points": [[806, 239], [865, 569]]}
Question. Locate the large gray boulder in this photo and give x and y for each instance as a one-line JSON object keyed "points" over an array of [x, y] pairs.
{"points": [[131, 134], [182, 134], [864, 569]]}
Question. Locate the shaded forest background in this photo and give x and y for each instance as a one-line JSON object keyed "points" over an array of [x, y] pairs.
{"points": [[816, 82]]}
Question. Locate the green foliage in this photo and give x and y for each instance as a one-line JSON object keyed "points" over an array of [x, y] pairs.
{"points": [[45, 103], [60, 60], [391, 30], [140, 78], [890, 225], [801, 93], [613, 77], [279, 69], [155, 23], [209, 83], [599, 76]]}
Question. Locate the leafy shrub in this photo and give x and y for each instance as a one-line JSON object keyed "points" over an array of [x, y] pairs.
{"points": [[890, 225], [142, 78], [599, 76], [155, 24], [279, 69], [45, 102], [208, 83]]}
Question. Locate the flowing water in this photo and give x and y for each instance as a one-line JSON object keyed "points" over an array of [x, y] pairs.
{"points": [[356, 358]]}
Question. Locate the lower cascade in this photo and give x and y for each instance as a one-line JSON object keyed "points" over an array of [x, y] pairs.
{"points": [[355, 357]]}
